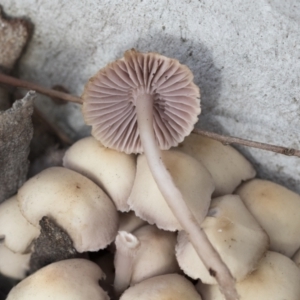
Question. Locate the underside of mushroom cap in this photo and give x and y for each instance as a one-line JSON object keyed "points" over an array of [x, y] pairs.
{"points": [[109, 101]]}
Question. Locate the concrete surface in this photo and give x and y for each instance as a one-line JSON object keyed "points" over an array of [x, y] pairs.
{"points": [[245, 56]]}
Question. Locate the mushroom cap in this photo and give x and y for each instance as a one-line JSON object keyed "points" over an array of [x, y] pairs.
{"points": [[276, 278], [75, 203], [191, 178], [18, 233], [163, 287], [156, 254], [226, 165], [107, 168], [109, 101], [13, 265], [71, 279], [234, 233], [277, 210]]}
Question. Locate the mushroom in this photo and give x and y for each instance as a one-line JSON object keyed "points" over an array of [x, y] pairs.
{"points": [[13, 265], [127, 246], [106, 167], [143, 103], [227, 166], [190, 177], [276, 210], [64, 280], [154, 255], [163, 287], [276, 278], [17, 232], [75, 203], [235, 234]]}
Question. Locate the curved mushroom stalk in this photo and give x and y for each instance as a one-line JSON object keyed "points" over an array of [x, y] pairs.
{"points": [[127, 246], [143, 100], [177, 204]]}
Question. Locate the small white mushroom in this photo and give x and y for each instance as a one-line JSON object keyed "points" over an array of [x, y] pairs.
{"points": [[277, 210], [13, 265], [72, 279], [127, 246], [75, 203], [191, 178], [154, 256], [112, 170], [17, 232], [277, 278], [234, 233], [227, 166], [164, 287]]}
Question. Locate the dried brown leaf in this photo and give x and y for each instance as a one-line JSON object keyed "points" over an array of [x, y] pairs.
{"points": [[15, 135]]}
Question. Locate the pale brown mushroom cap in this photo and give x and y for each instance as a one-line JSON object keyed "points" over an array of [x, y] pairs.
{"points": [[234, 233], [163, 287], [18, 233], [277, 278], [190, 176], [13, 265], [109, 101], [277, 210], [227, 166], [75, 203], [71, 279], [106, 167], [156, 255]]}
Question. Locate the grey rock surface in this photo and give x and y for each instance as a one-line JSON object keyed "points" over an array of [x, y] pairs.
{"points": [[245, 56]]}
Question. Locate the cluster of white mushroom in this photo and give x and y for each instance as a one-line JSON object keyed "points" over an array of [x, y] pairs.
{"points": [[255, 230]]}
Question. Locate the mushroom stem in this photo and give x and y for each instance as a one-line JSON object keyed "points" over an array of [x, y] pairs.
{"points": [[127, 246], [174, 199]]}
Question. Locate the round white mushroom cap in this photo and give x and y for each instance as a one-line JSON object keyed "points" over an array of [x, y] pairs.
{"points": [[72, 279], [163, 287], [156, 254], [277, 210], [227, 166], [18, 233], [113, 171], [277, 278], [75, 203], [13, 265], [191, 178], [234, 233]]}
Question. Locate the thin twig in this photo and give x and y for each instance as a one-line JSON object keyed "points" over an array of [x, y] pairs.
{"points": [[221, 138], [42, 90], [234, 140]]}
